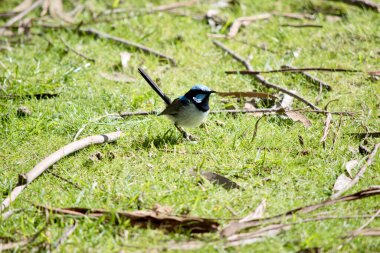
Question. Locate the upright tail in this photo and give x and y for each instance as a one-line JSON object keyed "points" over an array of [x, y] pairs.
{"points": [[155, 86]]}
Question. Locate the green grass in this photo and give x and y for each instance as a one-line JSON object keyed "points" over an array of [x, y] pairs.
{"points": [[152, 163]]}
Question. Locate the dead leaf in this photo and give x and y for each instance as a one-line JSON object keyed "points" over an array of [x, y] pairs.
{"points": [[298, 116], [287, 101], [257, 214], [144, 219], [244, 21], [97, 156], [125, 58], [249, 107], [350, 165], [56, 11], [249, 94], [256, 236], [219, 180], [117, 77], [341, 182], [23, 6], [366, 232], [374, 73], [327, 127]]}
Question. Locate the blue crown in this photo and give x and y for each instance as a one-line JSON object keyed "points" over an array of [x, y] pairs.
{"points": [[200, 87]]}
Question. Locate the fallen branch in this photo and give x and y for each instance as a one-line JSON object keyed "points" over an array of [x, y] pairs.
{"points": [[360, 174], [148, 218], [261, 78], [311, 78], [234, 227], [27, 178], [129, 44]]}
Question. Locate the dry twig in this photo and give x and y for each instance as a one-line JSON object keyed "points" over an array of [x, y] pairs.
{"points": [[26, 179], [362, 3], [129, 44], [75, 51], [309, 77], [261, 78], [360, 174]]}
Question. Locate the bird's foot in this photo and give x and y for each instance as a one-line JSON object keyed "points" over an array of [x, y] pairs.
{"points": [[189, 137]]}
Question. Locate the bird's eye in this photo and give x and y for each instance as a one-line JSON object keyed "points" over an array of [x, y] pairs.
{"points": [[199, 98]]}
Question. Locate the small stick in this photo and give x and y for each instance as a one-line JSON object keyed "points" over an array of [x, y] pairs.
{"points": [[310, 78], [256, 127], [129, 44], [260, 78], [360, 174], [326, 129], [129, 114], [357, 232], [295, 70], [76, 52], [26, 179], [65, 235], [66, 180], [20, 15], [302, 25]]}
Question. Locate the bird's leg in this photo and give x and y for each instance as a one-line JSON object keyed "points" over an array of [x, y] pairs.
{"points": [[185, 135]]}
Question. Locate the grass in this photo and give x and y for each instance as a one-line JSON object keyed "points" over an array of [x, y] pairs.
{"points": [[151, 162]]}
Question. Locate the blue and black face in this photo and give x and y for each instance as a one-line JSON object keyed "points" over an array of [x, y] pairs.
{"points": [[199, 95]]}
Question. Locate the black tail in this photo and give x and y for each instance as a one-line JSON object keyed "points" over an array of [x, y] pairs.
{"points": [[155, 86]]}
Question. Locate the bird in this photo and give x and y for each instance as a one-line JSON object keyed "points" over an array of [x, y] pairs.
{"points": [[189, 110]]}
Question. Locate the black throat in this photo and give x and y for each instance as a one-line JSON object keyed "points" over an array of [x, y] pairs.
{"points": [[203, 105]]}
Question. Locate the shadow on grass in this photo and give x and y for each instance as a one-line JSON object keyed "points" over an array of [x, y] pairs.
{"points": [[159, 141]]}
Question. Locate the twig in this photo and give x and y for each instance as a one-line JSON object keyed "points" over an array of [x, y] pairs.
{"points": [[357, 232], [362, 3], [92, 121], [26, 179], [295, 70], [129, 114], [260, 78], [326, 129], [302, 25], [64, 179], [360, 174], [128, 43], [9, 213], [65, 235], [235, 227], [256, 127], [75, 51], [310, 78], [22, 243], [20, 15], [365, 135]]}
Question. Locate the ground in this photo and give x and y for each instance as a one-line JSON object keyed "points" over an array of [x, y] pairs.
{"points": [[150, 164]]}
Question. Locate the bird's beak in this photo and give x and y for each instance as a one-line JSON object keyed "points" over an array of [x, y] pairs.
{"points": [[213, 91]]}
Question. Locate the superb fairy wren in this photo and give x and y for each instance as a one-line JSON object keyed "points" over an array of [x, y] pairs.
{"points": [[189, 110]]}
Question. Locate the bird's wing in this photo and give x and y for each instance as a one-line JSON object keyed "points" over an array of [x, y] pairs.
{"points": [[175, 106]]}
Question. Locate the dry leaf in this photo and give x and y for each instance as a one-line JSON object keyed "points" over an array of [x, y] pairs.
{"points": [[246, 21], [327, 127], [257, 214], [166, 210], [144, 219], [219, 180], [252, 237], [56, 11], [249, 94], [341, 182], [350, 165], [287, 101], [249, 107], [23, 6], [117, 77], [125, 58], [298, 116]]}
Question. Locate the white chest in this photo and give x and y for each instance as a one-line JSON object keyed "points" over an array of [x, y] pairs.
{"points": [[190, 116]]}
